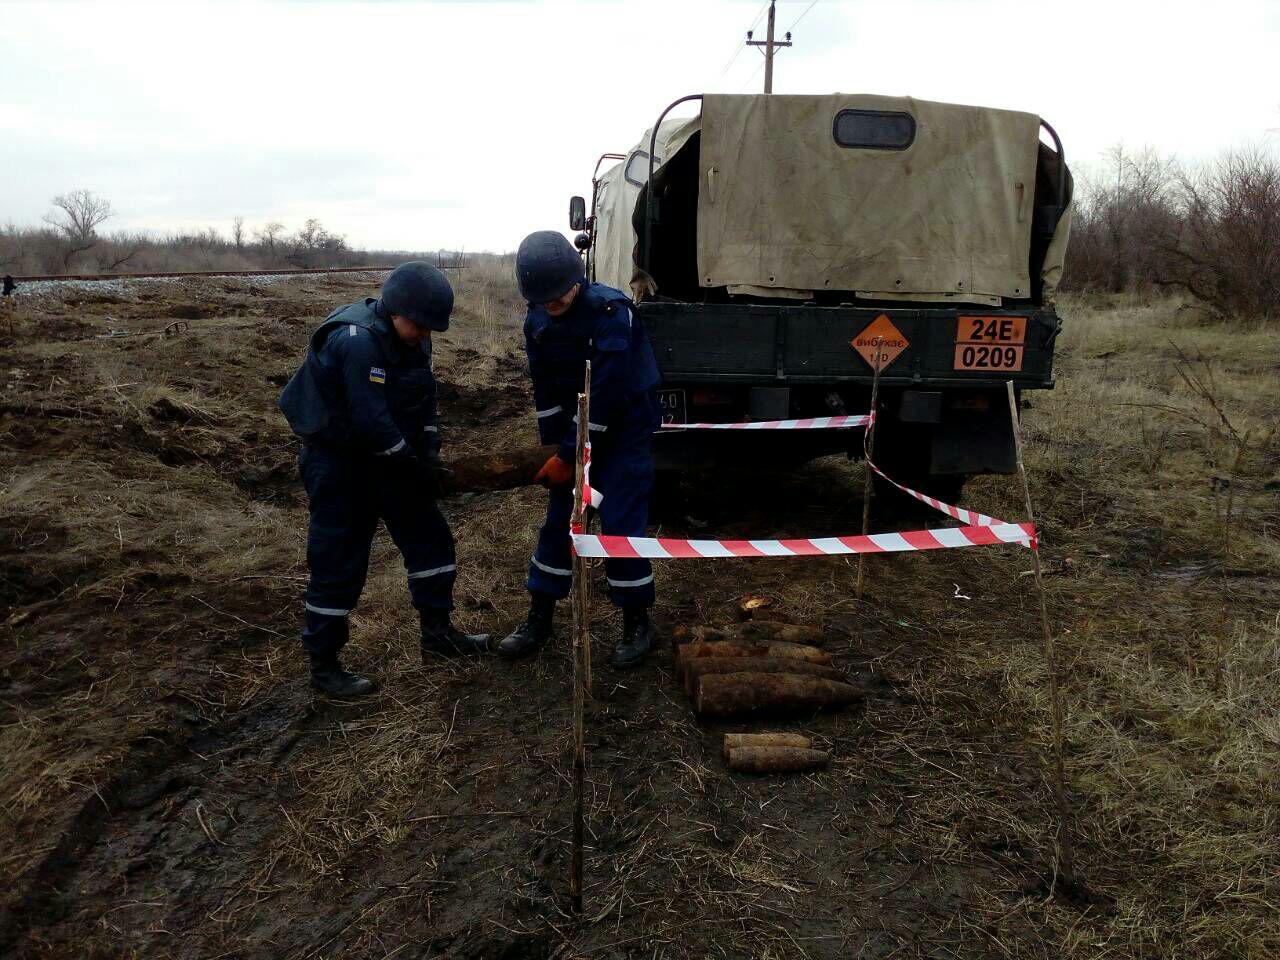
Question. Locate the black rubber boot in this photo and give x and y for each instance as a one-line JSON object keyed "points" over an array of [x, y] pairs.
{"points": [[327, 676], [638, 634], [533, 634], [441, 637]]}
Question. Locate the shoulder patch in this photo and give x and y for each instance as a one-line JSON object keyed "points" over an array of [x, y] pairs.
{"points": [[377, 375]]}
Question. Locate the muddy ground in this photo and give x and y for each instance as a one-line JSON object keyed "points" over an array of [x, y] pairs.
{"points": [[172, 788]]}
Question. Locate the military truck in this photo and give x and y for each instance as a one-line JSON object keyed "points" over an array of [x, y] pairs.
{"points": [[771, 242]]}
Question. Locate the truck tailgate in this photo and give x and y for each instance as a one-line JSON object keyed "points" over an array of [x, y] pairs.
{"points": [[779, 345]]}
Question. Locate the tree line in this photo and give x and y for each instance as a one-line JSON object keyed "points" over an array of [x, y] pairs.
{"points": [[1144, 221], [72, 240], [1141, 221]]}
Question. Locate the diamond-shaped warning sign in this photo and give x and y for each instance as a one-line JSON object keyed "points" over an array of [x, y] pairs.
{"points": [[892, 342]]}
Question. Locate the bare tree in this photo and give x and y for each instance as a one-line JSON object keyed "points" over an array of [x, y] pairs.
{"points": [[313, 244], [77, 218], [208, 239], [311, 235], [1227, 253], [237, 232], [1123, 216], [269, 235], [11, 247], [114, 251], [79, 214]]}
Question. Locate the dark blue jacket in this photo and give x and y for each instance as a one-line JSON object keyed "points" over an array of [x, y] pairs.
{"points": [[600, 326], [362, 388]]}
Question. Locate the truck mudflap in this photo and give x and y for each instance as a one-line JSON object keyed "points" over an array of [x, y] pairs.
{"points": [[782, 345], [973, 445]]}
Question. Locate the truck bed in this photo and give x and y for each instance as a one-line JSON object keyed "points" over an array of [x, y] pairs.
{"points": [[804, 344]]}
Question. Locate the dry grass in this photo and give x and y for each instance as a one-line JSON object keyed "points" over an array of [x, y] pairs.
{"points": [[489, 306], [931, 835], [1171, 647]]}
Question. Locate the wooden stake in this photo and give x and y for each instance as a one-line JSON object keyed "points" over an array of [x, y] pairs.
{"points": [[1066, 855], [581, 653], [581, 580], [867, 441]]}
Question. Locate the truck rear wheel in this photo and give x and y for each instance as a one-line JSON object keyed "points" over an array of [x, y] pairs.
{"points": [[907, 462]]}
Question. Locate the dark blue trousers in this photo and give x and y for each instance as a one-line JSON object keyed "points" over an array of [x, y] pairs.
{"points": [[622, 470], [348, 494]]}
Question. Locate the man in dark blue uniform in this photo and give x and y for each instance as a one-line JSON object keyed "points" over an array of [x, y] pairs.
{"points": [[364, 404], [570, 322]]}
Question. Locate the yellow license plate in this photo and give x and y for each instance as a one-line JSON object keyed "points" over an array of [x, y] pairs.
{"points": [[990, 343]]}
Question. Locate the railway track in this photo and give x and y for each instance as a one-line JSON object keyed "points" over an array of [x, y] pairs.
{"points": [[203, 273]]}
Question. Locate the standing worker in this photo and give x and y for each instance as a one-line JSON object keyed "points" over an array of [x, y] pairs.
{"points": [[7, 307], [364, 404], [570, 322]]}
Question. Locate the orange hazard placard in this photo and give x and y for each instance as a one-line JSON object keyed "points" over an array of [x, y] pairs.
{"points": [[892, 342], [1002, 330], [990, 343]]}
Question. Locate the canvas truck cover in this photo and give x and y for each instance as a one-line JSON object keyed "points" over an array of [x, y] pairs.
{"points": [[785, 209], [616, 198], [782, 204]]}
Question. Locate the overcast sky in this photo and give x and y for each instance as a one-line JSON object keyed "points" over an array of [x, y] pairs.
{"points": [[419, 125]]}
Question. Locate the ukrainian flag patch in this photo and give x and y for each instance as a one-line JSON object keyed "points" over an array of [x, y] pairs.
{"points": [[377, 375]]}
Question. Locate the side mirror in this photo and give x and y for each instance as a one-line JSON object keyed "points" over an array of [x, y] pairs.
{"points": [[583, 242], [577, 213]]}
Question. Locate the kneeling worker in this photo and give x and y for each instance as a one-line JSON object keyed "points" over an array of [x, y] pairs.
{"points": [[364, 404], [569, 322]]}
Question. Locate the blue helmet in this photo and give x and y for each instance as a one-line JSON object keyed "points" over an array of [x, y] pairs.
{"points": [[419, 292], [547, 266]]}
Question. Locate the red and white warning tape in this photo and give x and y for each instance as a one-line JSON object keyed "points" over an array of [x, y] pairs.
{"points": [[663, 548], [980, 529], [972, 517], [590, 495], [810, 423]]}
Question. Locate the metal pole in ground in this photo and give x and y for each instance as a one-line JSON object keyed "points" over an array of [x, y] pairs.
{"points": [[1066, 853], [581, 652], [867, 439]]}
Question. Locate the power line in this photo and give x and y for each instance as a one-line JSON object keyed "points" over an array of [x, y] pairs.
{"points": [[754, 74], [806, 10], [741, 45]]}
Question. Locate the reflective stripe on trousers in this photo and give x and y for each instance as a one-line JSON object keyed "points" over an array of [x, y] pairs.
{"points": [[625, 476], [347, 495]]}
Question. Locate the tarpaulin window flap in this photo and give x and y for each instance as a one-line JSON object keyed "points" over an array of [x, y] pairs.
{"points": [[874, 129]]}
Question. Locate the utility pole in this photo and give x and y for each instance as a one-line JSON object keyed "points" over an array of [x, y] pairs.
{"points": [[769, 46]]}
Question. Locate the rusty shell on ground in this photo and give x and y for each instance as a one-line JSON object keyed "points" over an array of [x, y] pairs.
{"points": [[735, 740], [726, 695], [718, 648], [760, 631], [701, 666], [776, 759], [508, 470], [736, 648]]}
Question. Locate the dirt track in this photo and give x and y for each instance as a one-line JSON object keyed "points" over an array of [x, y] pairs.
{"points": [[173, 788]]}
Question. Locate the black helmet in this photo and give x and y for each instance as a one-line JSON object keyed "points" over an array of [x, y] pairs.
{"points": [[419, 292], [547, 266]]}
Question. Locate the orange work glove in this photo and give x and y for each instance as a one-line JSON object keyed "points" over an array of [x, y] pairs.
{"points": [[555, 473]]}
